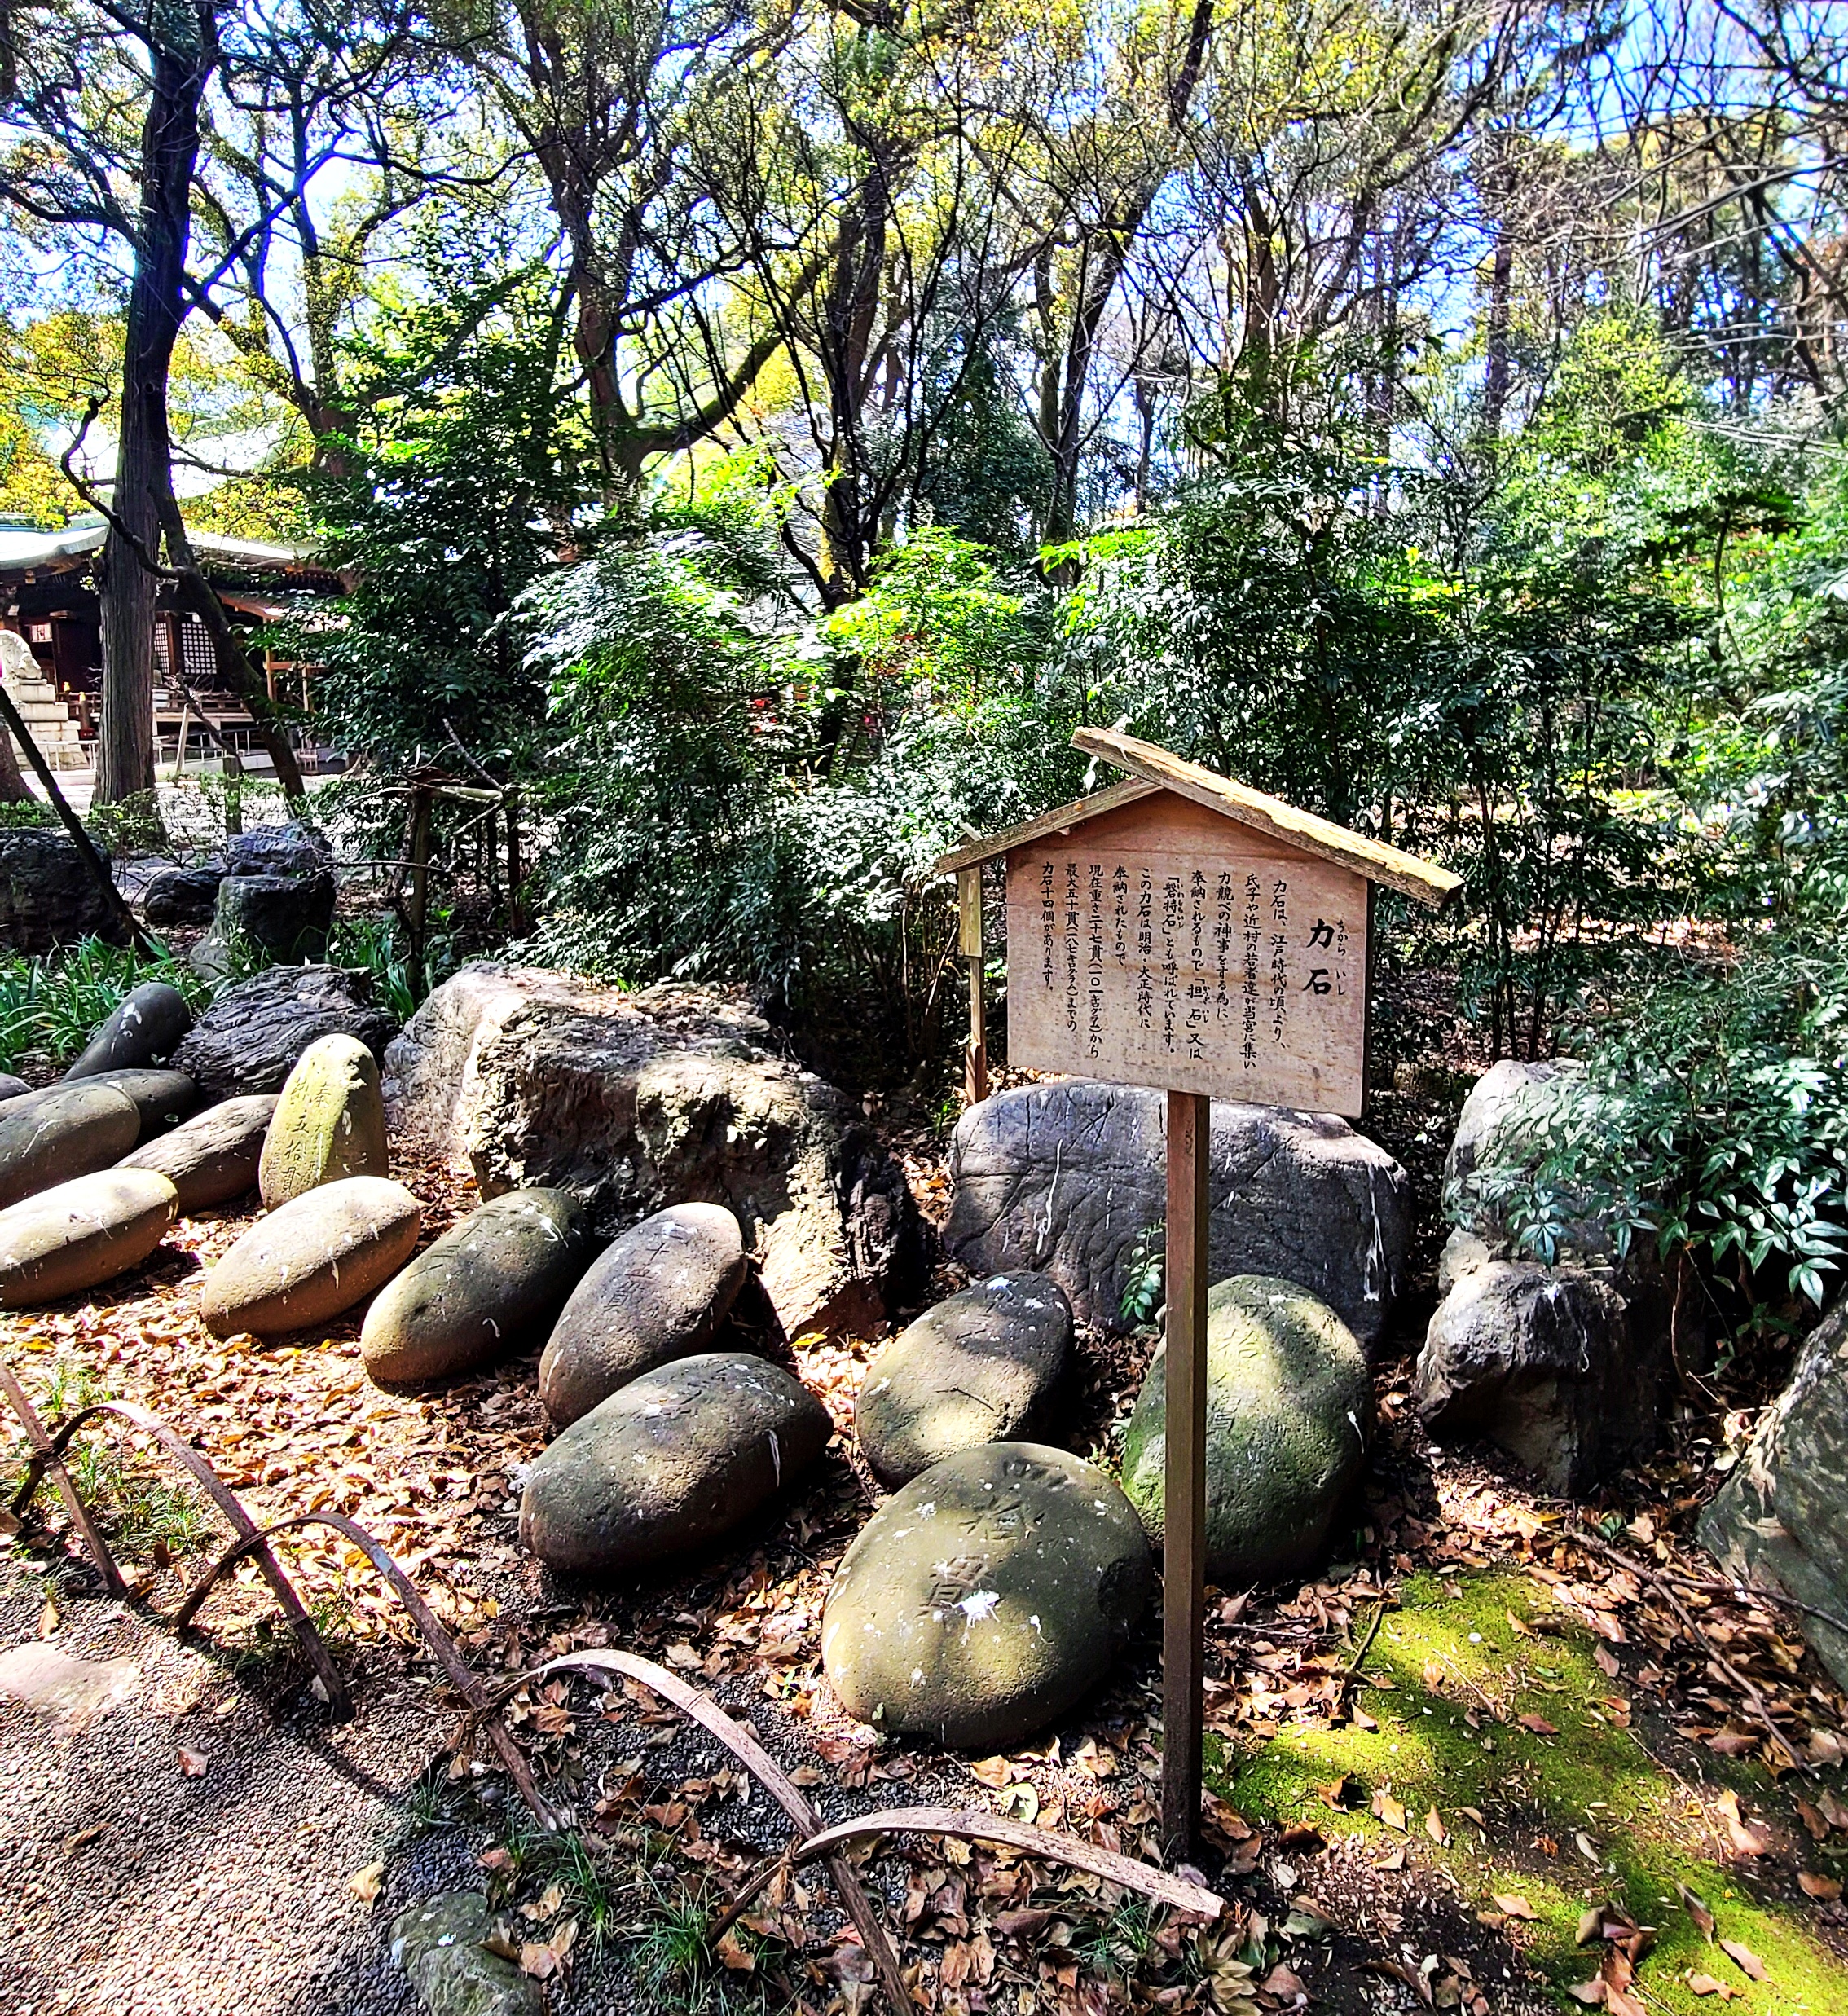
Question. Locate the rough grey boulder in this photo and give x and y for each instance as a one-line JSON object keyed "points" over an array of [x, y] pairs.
{"points": [[520, 1075], [181, 895], [48, 1138], [144, 1030], [316, 1258], [296, 850], [987, 1597], [441, 1946], [249, 1039], [656, 1294], [673, 1459], [285, 917], [1499, 1117], [12, 1088], [1288, 1403], [329, 1122], [1067, 1178], [1552, 1364], [48, 896], [1777, 1521], [213, 1158], [81, 1233], [162, 1099], [489, 1286], [982, 1366]]}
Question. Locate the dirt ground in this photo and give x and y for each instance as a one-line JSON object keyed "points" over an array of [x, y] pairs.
{"points": [[1426, 1769]]}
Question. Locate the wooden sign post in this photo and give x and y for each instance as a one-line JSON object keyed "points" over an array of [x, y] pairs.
{"points": [[1182, 932]]}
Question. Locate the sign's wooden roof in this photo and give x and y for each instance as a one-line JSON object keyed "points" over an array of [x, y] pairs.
{"points": [[1154, 769]]}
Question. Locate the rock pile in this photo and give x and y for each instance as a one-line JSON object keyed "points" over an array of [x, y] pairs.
{"points": [[1288, 1401], [1565, 1367], [1070, 1178], [277, 897], [633, 1101]]}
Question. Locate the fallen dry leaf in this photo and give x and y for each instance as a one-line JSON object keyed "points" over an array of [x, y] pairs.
{"points": [[1745, 1838], [1388, 1810], [1434, 1826], [1705, 1984], [1824, 1889], [1813, 1819], [1590, 1993], [1591, 1924], [193, 1763], [1748, 1961], [1515, 1907], [994, 1771], [1698, 1911], [366, 1883], [1538, 1725]]}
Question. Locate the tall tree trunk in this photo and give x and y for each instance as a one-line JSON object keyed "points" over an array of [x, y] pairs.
{"points": [[183, 50]]}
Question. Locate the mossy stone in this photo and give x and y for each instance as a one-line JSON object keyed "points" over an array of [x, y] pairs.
{"points": [[987, 1597], [1288, 1400], [440, 1945], [329, 1122], [670, 1461], [312, 1259], [981, 1367], [80, 1233], [213, 1158], [51, 1136], [480, 1291]]}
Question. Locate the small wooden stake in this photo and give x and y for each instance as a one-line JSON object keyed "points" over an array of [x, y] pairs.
{"points": [[968, 943], [420, 799], [1183, 1621]]}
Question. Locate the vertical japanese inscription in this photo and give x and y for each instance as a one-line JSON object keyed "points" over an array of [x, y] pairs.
{"points": [[1093, 964]]}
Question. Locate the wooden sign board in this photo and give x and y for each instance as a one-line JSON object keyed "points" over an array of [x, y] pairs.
{"points": [[1158, 944]]}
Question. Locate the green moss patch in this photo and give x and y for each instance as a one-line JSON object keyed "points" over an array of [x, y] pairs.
{"points": [[1576, 1807]]}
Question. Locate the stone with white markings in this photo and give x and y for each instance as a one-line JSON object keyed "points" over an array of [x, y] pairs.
{"points": [[314, 1259], [145, 1029], [80, 1233], [986, 1598], [162, 1099], [49, 1137], [441, 1946], [675, 1459], [981, 1367], [657, 1294], [489, 1286]]}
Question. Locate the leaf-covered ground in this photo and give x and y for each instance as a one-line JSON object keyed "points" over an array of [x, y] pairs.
{"points": [[1485, 1764]]}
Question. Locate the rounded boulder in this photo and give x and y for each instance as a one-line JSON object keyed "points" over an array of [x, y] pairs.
{"points": [[987, 1597], [162, 1099], [329, 1122], [656, 1295], [145, 1029], [312, 1260], [481, 1290], [80, 1233], [1288, 1399], [676, 1458], [212, 1157], [981, 1367], [12, 1088], [51, 1136]]}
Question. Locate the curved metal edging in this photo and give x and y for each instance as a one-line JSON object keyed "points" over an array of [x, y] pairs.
{"points": [[50, 1456], [462, 1676]]}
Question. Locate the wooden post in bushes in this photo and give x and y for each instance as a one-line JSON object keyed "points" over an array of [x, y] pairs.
{"points": [[1182, 932], [968, 943], [419, 896], [510, 803]]}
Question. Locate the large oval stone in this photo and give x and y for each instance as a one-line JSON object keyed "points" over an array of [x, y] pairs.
{"points": [[674, 1459], [163, 1098], [1288, 1400], [81, 1233], [987, 1597], [329, 1122], [481, 1290], [213, 1158], [313, 1259], [48, 1138], [981, 1367], [657, 1294], [145, 1029]]}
